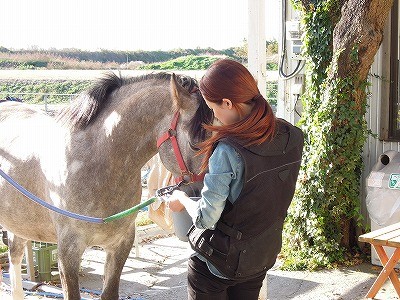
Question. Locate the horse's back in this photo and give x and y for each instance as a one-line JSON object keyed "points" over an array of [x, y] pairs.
{"points": [[19, 117], [13, 108], [29, 143], [28, 133]]}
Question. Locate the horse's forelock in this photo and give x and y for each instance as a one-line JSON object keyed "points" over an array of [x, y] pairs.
{"points": [[203, 113], [202, 116], [189, 83]]}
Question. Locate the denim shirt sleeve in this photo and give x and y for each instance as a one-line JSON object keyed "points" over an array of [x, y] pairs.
{"points": [[225, 169]]}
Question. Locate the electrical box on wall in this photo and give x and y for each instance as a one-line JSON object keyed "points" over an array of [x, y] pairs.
{"points": [[293, 35], [298, 85], [293, 30], [291, 64]]}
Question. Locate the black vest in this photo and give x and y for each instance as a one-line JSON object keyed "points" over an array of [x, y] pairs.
{"points": [[248, 236]]}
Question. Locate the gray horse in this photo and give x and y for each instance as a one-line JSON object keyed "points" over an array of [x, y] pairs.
{"points": [[88, 162]]}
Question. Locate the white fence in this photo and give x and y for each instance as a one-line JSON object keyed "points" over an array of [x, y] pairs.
{"points": [[49, 100]]}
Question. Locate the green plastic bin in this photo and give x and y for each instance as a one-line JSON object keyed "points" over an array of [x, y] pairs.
{"points": [[45, 259]]}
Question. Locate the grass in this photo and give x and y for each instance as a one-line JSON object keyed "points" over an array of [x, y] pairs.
{"points": [[14, 87], [142, 219], [3, 248]]}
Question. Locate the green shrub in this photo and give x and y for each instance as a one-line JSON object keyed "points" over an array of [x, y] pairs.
{"points": [[272, 66], [272, 92], [36, 63], [189, 62], [3, 248]]}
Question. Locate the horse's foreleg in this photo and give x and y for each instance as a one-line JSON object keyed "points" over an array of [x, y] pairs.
{"points": [[115, 260], [16, 246], [69, 258]]}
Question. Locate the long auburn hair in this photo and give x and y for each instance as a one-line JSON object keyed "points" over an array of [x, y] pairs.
{"points": [[229, 79]]}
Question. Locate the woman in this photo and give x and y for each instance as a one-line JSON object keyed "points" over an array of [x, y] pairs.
{"points": [[253, 161]]}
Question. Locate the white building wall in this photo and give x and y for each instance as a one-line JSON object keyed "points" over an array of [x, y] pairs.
{"points": [[377, 107], [256, 43]]}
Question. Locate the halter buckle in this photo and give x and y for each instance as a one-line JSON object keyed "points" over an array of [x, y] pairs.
{"points": [[187, 177], [171, 132]]}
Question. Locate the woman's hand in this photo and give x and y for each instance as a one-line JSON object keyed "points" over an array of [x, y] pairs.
{"points": [[174, 203]]}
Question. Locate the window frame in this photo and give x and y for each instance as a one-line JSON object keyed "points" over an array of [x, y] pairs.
{"points": [[393, 133]]}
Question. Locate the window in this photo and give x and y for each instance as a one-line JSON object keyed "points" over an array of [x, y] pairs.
{"points": [[394, 97]]}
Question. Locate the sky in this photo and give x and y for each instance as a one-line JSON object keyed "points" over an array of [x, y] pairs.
{"points": [[128, 25]]}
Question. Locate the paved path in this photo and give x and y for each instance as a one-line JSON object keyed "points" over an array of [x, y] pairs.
{"points": [[160, 273]]}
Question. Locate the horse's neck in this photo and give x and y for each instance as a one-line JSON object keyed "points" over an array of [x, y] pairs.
{"points": [[119, 139]]}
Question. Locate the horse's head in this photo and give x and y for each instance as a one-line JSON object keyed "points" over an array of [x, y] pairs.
{"points": [[154, 101], [182, 131]]}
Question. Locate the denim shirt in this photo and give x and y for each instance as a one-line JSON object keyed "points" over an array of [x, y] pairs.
{"points": [[223, 182]]}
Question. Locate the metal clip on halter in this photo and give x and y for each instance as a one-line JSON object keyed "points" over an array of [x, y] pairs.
{"points": [[168, 190]]}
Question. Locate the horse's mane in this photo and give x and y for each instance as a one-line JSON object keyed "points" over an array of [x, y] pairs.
{"points": [[88, 105]]}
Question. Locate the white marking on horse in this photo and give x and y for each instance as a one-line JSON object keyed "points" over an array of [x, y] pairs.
{"points": [[55, 197], [111, 122], [75, 166]]}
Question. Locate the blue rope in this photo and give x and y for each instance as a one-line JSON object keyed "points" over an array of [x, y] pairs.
{"points": [[61, 296], [47, 294], [72, 215], [48, 205]]}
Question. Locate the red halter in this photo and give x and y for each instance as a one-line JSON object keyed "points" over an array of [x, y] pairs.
{"points": [[186, 175]]}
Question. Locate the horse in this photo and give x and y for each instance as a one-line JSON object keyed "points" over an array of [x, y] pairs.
{"points": [[88, 161]]}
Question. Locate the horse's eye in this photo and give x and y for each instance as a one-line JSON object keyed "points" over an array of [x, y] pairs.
{"points": [[193, 147]]}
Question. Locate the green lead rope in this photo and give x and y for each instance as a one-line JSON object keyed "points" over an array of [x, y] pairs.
{"points": [[130, 210], [159, 194]]}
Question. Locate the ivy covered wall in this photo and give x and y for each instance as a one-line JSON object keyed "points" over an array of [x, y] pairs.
{"points": [[340, 41]]}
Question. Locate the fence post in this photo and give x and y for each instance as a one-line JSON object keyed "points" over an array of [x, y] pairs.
{"points": [[45, 102], [30, 268]]}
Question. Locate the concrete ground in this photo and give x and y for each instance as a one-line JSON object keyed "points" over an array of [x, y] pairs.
{"points": [[159, 272]]}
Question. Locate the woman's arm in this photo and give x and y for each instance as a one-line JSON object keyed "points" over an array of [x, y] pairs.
{"points": [[179, 201], [223, 167]]}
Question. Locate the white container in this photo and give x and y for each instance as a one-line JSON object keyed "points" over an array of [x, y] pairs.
{"points": [[383, 197], [182, 222], [389, 250]]}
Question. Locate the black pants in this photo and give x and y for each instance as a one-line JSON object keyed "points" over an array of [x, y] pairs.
{"points": [[202, 284]]}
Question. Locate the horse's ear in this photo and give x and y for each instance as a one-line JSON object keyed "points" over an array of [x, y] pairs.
{"points": [[178, 93]]}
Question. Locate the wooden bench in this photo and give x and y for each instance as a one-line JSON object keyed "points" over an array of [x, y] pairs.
{"points": [[387, 236]]}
